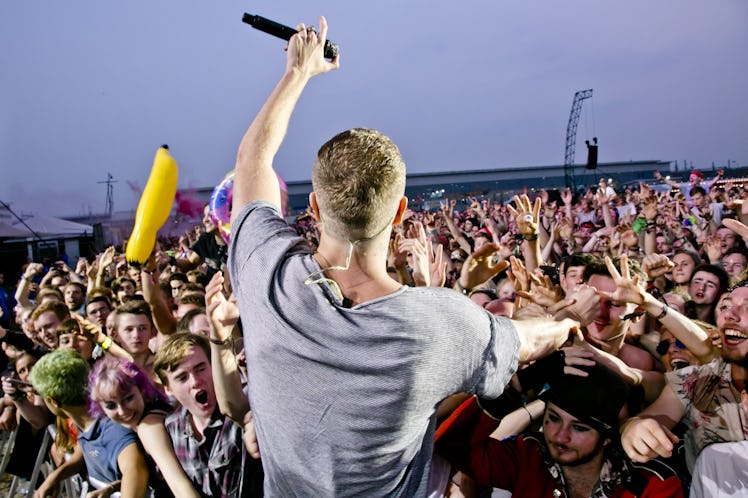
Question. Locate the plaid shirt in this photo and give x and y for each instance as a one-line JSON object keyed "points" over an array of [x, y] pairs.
{"points": [[216, 463]]}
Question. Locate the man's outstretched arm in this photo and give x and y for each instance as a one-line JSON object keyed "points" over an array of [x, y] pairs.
{"points": [[254, 178], [540, 337]]}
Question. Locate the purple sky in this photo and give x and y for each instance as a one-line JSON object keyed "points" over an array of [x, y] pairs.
{"points": [[95, 86]]}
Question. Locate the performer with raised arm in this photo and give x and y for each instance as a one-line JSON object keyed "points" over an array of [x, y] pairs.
{"points": [[346, 366]]}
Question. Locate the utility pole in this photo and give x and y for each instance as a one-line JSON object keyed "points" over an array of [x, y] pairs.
{"points": [[110, 181]]}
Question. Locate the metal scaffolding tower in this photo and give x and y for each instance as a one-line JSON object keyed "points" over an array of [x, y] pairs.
{"points": [[571, 136]]}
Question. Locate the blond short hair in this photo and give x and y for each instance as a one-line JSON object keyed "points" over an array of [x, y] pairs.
{"points": [[358, 178]]}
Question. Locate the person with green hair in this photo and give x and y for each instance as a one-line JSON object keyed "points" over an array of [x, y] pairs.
{"points": [[108, 452]]}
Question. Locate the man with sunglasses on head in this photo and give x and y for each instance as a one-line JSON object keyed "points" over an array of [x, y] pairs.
{"points": [[673, 353]]}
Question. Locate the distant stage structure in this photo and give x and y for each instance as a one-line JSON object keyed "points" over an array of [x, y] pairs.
{"points": [[571, 136]]}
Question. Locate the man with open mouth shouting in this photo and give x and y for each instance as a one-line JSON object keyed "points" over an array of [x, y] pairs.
{"points": [[708, 398], [208, 445]]}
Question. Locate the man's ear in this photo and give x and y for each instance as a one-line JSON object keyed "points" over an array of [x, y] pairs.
{"points": [[313, 204], [52, 402], [401, 207]]}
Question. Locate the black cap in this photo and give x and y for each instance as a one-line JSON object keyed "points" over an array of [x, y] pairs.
{"points": [[595, 400]]}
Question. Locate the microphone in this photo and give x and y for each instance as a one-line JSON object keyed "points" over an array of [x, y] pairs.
{"points": [[284, 32]]}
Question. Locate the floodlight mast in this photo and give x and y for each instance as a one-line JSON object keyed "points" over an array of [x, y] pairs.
{"points": [[571, 136]]}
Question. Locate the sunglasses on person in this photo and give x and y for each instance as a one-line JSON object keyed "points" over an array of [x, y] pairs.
{"points": [[663, 346]]}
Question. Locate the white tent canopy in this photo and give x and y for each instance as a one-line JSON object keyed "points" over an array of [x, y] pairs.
{"points": [[33, 224]]}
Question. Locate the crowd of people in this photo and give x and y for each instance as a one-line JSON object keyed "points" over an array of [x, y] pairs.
{"points": [[581, 344]]}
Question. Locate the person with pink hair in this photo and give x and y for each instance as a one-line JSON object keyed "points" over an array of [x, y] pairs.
{"points": [[122, 391]]}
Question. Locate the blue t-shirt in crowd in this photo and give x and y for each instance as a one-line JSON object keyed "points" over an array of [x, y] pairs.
{"points": [[101, 446]]}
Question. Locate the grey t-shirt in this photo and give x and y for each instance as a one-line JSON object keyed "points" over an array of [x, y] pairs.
{"points": [[344, 399]]}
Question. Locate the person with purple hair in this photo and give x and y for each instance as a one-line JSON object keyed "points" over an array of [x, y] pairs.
{"points": [[122, 391]]}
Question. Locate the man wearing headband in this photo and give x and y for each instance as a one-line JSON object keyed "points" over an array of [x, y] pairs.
{"points": [[577, 454], [346, 365]]}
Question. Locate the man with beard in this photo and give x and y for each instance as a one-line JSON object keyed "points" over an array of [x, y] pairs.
{"points": [[706, 398], [576, 455], [75, 296]]}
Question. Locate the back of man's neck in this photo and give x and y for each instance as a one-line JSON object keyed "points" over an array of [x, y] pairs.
{"points": [[366, 277], [80, 417]]}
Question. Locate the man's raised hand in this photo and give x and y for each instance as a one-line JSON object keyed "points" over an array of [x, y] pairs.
{"points": [[306, 50]]}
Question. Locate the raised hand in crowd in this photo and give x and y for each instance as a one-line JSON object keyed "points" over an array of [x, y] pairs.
{"points": [[99, 337], [507, 244], [737, 227], [92, 270], [447, 208], [629, 240], [437, 263], [415, 246], [519, 275], [398, 259], [565, 229], [581, 305], [713, 248], [476, 208], [527, 217], [543, 291], [107, 258], [602, 197], [628, 289], [656, 265], [480, 267], [81, 267], [25, 285], [429, 221], [650, 208], [223, 314], [567, 197], [408, 216], [645, 438]]}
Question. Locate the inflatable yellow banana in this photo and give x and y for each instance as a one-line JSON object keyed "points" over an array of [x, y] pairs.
{"points": [[154, 207]]}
